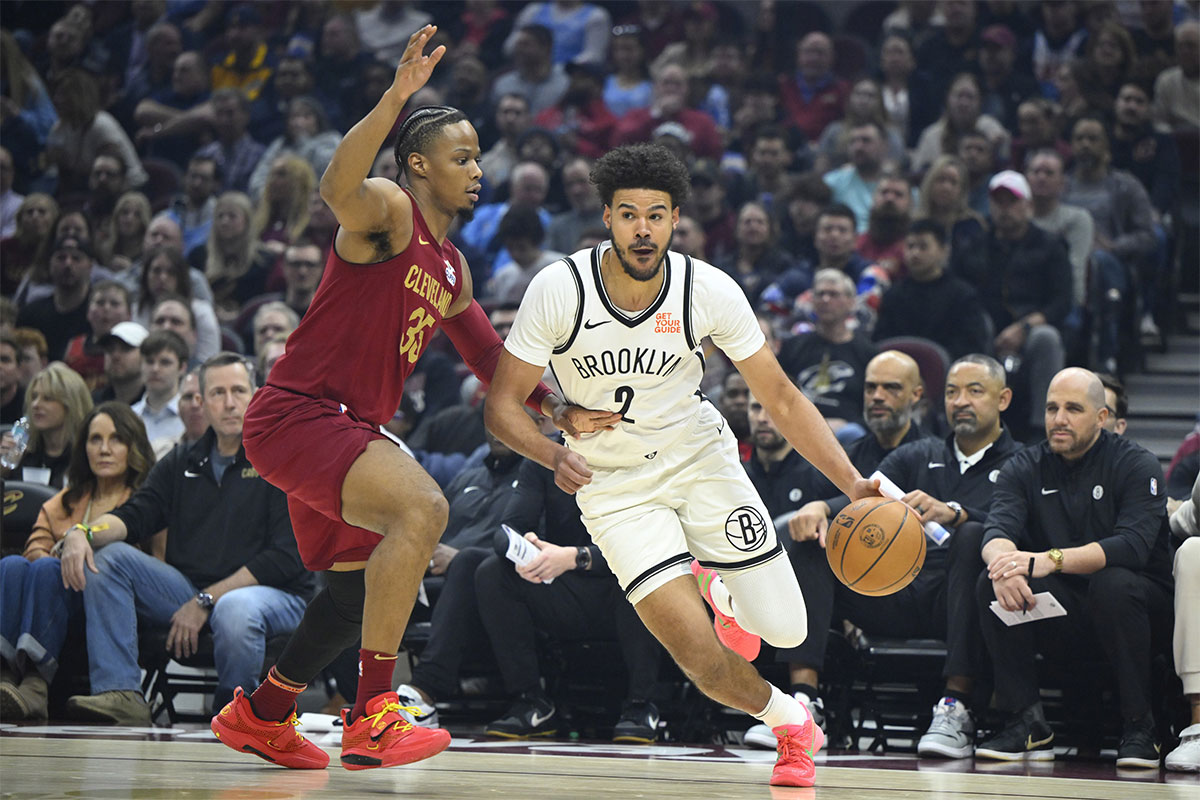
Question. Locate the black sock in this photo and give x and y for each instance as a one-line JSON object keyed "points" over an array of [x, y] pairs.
{"points": [[811, 691]]}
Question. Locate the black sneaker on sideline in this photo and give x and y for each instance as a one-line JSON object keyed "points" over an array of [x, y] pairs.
{"points": [[1026, 736], [638, 723], [1139, 745], [531, 715]]}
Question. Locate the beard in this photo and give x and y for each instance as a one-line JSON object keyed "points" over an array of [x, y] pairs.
{"points": [[769, 441], [893, 421], [466, 214], [631, 270]]}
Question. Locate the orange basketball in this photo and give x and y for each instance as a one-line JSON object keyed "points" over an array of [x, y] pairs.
{"points": [[876, 546]]}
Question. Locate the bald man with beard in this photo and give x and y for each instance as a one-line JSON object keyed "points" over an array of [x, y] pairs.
{"points": [[1082, 516]]}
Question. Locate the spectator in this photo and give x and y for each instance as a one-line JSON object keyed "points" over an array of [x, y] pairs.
{"points": [[902, 87], [1116, 402], [1077, 94], [770, 160], [108, 304], [341, 61], [171, 121], [1183, 521], [628, 85], [56, 403], [235, 263], [468, 92], [282, 212], [63, 314], [272, 320], [385, 29], [931, 303], [247, 66], [864, 105], [1047, 181], [1058, 40], [124, 381], [164, 362], [978, 153], [689, 238], [1038, 126], [24, 256], [150, 47], [758, 259], [710, 207], [583, 123], [236, 153], [1140, 150], [1177, 88], [1023, 277], [835, 242], [308, 136], [293, 78], [1032, 543], [32, 353], [528, 185], [303, 267], [797, 209], [854, 184], [760, 107], [126, 238], [1004, 86], [585, 208], [813, 96], [828, 362], [110, 460], [963, 113], [273, 348], [10, 201], [693, 50], [191, 408], [943, 199], [164, 233], [83, 131], [952, 50], [174, 313], [512, 120], [12, 394], [520, 234], [882, 243], [166, 274], [24, 95], [193, 210], [231, 561], [670, 105], [534, 76], [580, 31], [1109, 58]]}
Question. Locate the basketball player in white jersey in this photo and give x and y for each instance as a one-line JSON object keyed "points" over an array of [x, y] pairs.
{"points": [[621, 325]]}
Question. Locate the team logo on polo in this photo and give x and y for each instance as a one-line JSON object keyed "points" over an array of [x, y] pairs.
{"points": [[1097, 492], [746, 529]]}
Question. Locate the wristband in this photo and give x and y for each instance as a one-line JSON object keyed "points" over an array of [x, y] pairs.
{"points": [[86, 530]]}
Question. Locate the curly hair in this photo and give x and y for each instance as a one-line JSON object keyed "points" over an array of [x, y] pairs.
{"points": [[641, 166], [419, 130]]}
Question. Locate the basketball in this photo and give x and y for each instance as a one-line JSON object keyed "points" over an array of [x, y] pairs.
{"points": [[876, 546]]}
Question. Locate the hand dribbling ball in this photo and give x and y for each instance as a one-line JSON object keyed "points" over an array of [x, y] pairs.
{"points": [[876, 546]]}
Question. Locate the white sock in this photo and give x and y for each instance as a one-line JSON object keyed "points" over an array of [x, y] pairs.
{"points": [[721, 597], [782, 709]]}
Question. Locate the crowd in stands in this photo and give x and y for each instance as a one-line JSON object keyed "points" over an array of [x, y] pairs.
{"points": [[1009, 187]]}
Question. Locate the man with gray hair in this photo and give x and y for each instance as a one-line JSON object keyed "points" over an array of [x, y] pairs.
{"points": [[235, 152], [272, 320]]}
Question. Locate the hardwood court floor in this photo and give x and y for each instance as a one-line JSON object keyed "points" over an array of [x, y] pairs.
{"points": [[116, 764]]}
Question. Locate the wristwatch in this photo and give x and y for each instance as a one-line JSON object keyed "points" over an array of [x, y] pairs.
{"points": [[1056, 556], [958, 511], [205, 601], [583, 558]]}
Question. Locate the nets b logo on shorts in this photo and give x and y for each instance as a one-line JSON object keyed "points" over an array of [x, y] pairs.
{"points": [[745, 529]]}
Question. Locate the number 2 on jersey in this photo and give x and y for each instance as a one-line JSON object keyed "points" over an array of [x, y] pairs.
{"points": [[624, 394], [414, 336]]}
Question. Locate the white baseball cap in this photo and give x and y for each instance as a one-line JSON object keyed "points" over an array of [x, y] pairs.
{"points": [[131, 333], [1011, 180]]}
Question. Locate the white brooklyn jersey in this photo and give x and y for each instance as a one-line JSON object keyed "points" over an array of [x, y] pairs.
{"points": [[646, 365]]}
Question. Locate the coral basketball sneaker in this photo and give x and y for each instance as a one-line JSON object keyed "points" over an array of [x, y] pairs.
{"points": [[278, 742], [384, 738], [797, 744]]}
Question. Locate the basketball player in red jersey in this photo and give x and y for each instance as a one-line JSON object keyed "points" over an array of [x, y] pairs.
{"points": [[362, 510]]}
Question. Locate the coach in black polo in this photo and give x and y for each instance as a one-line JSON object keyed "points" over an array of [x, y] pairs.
{"points": [[1083, 516]]}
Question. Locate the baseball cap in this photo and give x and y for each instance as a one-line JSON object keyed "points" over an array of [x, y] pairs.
{"points": [[131, 333], [1012, 181], [71, 242], [675, 130], [999, 35]]}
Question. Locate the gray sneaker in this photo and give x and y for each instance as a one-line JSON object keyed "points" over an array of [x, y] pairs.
{"points": [[414, 709], [116, 708], [951, 734], [764, 738]]}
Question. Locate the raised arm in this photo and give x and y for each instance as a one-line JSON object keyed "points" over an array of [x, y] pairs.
{"points": [[362, 204]]}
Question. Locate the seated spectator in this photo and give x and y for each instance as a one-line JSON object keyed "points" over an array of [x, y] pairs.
{"points": [[166, 274], [123, 377], [1139, 149], [193, 210], [709, 205], [1185, 524], [953, 48], [125, 240], [694, 49], [109, 304], [835, 242], [1109, 57], [174, 313], [273, 320], [1058, 40], [1023, 277], [797, 209], [341, 61], [854, 184], [172, 120], [106, 183], [236, 153], [978, 153], [1005, 85], [828, 362], [528, 185], [813, 96], [585, 210], [865, 104], [688, 239], [32, 353], [144, 50], [164, 362], [231, 562], [63, 315], [56, 402], [512, 120], [534, 75], [1038, 129], [583, 123], [12, 393], [281, 214], [247, 65], [768, 169], [191, 409], [25, 254], [1117, 404], [930, 303], [882, 243], [385, 29], [943, 199], [292, 78], [308, 135], [1037, 537], [902, 87], [235, 263], [670, 104], [628, 86], [83, 131], [1176, 103], [520, 234], [164, 232], [758, 260], [273, 348], [25, 90], [580, 30], [1047, 181], [962, 114], [110, 460]]}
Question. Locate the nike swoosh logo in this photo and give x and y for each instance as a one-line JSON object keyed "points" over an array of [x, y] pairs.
{"points": [[1030, 743], [1049, 491], [935, 465], [187, 473], [421, 239], [589, 324], [538, 719], [470, 489]]}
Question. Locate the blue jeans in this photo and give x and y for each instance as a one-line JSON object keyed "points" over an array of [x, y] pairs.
{"points": [[133, 586], [34, 611]]}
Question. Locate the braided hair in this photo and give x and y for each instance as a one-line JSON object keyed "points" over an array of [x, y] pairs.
{"points": [[419, 130]]}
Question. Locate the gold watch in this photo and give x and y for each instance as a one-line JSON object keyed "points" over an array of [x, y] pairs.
{"points": [[1056, 556]]}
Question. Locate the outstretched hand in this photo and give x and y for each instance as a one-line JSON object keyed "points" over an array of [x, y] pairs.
{"points": [[416, 67]]}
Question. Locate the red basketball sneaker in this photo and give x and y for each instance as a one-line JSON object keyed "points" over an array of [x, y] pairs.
{"points": [[732, 635], [278, 742], [383, 738], [797, 744]]}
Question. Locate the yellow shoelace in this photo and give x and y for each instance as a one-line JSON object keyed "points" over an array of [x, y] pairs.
{"points": [[401, 724]]}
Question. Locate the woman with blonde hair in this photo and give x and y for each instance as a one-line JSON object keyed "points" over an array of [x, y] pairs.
{"points": [[964, 101], [110, 459], [56, 403], [127, 226], [944, 200], [282, 212], [25, 256], [235, 262]]}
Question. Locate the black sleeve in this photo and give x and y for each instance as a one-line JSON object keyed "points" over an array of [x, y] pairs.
{"points": [[899, 465], [526, 506], [972, 334], [1141, 507], [278, 564], [887, 323], [1059, 290], [1009, 514], [145, 512]]}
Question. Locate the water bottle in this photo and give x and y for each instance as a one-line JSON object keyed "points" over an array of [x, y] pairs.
{"points": [[20, 435]]}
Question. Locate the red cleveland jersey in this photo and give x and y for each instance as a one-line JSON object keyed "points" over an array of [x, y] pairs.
{"points": [[368, 325]]}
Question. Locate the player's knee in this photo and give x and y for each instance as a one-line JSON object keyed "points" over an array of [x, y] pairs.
{"points": [[427, 513], [788, 632]]}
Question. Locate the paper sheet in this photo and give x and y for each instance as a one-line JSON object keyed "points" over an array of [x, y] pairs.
{"points": [[1047, 607], [520, 550]]}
